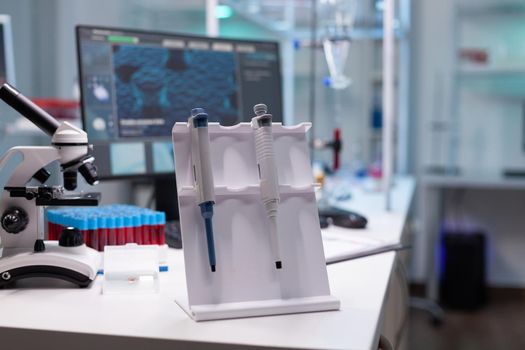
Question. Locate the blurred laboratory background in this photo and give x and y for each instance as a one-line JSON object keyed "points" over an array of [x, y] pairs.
{"points": [[425, 94]]}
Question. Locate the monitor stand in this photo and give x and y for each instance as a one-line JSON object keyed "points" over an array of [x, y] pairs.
{"points": [[166, 201], [166, 197]]}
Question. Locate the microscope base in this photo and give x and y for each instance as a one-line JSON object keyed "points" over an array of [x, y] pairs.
{"points": [[78, 265]]}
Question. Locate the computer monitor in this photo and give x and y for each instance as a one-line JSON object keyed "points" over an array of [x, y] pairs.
{"points": [[7, 62], [135, 85]]}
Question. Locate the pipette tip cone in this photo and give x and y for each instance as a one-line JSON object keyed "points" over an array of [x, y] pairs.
{"points": [[212, 268], [278, 264]]}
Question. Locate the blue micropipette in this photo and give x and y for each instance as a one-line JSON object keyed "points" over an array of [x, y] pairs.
{"points": [[203, 176]]}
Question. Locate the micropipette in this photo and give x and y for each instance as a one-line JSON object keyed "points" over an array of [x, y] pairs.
{"points": [[269, 183], [202, 173]]}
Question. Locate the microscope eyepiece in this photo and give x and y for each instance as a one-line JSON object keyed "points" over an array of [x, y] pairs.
{"points": [[89, 173], [71, 142], [28, 109]]}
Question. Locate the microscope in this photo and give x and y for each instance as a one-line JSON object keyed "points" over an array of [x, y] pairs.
{"points": [[23, 251]]}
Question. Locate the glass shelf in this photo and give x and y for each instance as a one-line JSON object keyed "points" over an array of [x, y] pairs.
{"points": [[506, 82], [484, 182], [492, 8]]}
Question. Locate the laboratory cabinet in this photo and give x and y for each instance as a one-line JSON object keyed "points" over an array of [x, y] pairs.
{"points": [[475, 124]]}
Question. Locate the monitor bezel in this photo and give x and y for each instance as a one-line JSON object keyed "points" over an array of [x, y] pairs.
{"points": [[10, 76]]}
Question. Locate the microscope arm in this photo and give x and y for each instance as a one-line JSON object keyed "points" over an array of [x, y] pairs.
{"points": [[34, 159]]}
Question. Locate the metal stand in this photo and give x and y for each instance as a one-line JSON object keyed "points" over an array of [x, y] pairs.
{"points": [[430, 306]]}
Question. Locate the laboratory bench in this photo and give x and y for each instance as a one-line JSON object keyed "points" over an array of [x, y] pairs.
{"points": [[434, 189], [372, 291]]}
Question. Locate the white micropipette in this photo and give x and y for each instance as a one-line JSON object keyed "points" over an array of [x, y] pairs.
{"points": [[269, 183]]}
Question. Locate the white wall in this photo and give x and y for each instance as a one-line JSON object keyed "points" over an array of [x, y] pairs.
{"points": [[22, 13]]}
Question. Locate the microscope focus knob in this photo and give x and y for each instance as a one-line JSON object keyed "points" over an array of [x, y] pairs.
{"points": [[70, 237], [14, 220]]}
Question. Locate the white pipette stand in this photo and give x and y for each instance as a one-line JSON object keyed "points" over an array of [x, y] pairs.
{"points": [[246, 282]]}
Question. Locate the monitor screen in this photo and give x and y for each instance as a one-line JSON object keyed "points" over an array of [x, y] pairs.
{"points": [[135, 85]]}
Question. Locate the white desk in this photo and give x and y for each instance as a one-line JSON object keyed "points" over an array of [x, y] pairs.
{"points": [[85, 319]]}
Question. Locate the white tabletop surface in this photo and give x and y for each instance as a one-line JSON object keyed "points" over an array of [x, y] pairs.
{"points": [[82, 316]]}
